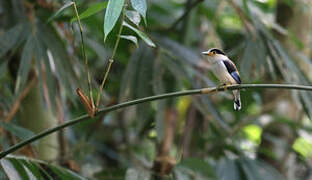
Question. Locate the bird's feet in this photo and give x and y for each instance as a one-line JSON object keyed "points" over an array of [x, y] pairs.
{"points": [[225, 85]]}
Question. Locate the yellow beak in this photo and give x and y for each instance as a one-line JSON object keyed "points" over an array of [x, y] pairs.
{"points": [[207, 53]]}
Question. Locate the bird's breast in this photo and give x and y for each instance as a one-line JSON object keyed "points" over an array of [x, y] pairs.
{"points": [[221, 73]]}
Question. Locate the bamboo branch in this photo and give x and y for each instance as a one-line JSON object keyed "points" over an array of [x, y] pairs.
{"points": [[110, 62], [148, 99], [90, 100]]}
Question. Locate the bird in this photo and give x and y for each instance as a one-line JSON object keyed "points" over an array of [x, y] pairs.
{"points": [[225, 70]]}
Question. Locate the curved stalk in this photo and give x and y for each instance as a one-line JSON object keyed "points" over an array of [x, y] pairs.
{"points": [[110, 62], [147, 99]]}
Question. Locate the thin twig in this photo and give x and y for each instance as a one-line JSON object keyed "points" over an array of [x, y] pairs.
{"points": [[84, 56], [110, 62], [148, 99]]}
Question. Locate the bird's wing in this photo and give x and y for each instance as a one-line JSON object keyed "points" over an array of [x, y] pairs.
{"points": [[231, 68]]}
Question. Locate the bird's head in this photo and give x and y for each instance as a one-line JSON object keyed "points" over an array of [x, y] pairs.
{"points": [[215, 54]]}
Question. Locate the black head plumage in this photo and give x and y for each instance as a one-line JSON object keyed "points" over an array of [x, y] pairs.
{"points": [[217, 51]]}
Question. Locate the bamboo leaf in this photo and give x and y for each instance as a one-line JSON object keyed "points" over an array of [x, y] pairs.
{"points": [[32, 167], [228, 169], [134, 17], [10, 38], [17, 167], [143, 36], [25, 64], [58, 12], [140, 6], [13, 169], [255, 170], [3, 67], [18, 131], [112, 14], [93, 9], [58, 58], [130, 38], [198, 165]]}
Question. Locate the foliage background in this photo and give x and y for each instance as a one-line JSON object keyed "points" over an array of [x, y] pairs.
{"points": [[192, 137]]}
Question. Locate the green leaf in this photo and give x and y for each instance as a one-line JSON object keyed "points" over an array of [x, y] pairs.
{"points": [[18, 131], [93, 9], [130, 38], [10, 38], [303, 146], [3, 67], [58, 12], [258, 170], [32, 167], [140, 6], [17, 167], [9, 169], [143, 36], [58, 57], [112, 14], [13, 169], [134, 17], [228, 169], [25, 64], [198, 165]]}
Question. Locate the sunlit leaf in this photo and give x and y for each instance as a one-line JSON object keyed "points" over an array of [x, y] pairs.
{"points": [[59, 12], [93, 9], [133, 16], [140, 6], [130, 38], [303, 146], [112, 14], [253, 133], [143, 36]]}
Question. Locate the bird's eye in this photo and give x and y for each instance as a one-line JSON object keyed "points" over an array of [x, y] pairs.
{"points": [[213, 52]]}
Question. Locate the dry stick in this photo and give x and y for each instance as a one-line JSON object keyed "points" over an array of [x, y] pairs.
{"points": [[84, 57], [148, 99], [110, 62]]}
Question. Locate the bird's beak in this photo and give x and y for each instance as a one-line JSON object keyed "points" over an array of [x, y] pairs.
{"points": [[207, 53]]}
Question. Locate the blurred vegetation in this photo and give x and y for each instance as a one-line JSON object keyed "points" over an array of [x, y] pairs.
{"points": [[192, 137]]}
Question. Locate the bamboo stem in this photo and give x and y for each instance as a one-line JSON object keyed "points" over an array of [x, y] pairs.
{"points": [[148, 99]]}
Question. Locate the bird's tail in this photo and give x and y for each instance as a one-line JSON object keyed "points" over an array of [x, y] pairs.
{"points": [[237, 100]]}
